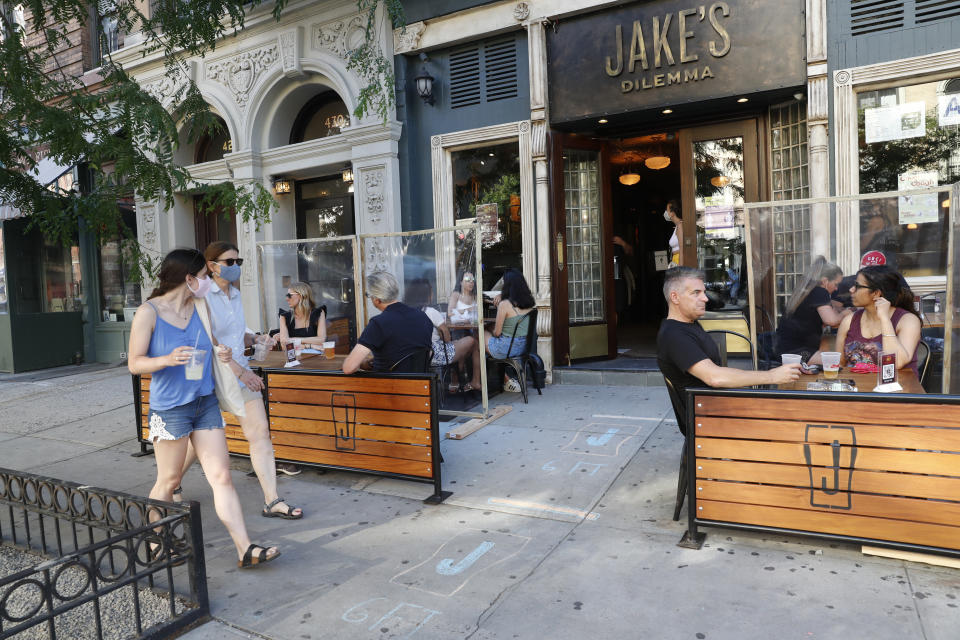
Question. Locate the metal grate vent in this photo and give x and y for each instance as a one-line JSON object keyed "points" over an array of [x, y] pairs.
{"points": [[931, 10], [465, 78], [872, 16], [500, 70]]}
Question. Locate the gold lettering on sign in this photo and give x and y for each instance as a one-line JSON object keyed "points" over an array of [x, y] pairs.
{"points": [[611, 71], [684, 35], [673, 78], [660, 44], [666, 79], [721, 31], [658, 80], [638, 50]]}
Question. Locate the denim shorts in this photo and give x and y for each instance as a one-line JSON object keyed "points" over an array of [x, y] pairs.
{"points": [[499, 345], [180, 422]]}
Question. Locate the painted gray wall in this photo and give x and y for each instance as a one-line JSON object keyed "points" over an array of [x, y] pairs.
{"points": [[845, 50], [421, 121], [415, 10]]}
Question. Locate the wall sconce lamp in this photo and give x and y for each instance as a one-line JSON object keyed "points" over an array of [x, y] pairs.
{"points": [[282, 185], [347, 176], [424, 81]]}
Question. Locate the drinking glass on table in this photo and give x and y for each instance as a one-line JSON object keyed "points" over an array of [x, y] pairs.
{"points": [[831, 364]]}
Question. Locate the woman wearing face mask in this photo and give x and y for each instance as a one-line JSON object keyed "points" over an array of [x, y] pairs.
{"points": [[164, 332], [230, 327], [672, 214]]}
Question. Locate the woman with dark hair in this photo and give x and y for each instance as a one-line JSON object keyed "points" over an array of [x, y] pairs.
{"points": [[809, 309], [463, 301], [230, 327], [166, 330], [672, 214], [304, 320], [509, 335], [884, 321]]}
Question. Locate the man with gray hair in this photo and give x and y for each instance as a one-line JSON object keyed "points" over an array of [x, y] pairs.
{"points": [[392, 335], [687, 356]]}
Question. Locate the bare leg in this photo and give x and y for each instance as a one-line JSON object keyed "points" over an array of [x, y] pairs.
{"points": [[170, 455], [211, 447], [257, 432], [189, 459]]}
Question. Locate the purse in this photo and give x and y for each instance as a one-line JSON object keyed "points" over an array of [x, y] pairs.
{"points": [[227, 387]]}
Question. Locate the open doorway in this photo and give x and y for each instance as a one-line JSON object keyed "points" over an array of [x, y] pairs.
{"points": [[645, 176]]}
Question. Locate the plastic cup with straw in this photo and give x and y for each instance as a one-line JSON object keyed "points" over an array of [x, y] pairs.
{"points": [[193, 370]]}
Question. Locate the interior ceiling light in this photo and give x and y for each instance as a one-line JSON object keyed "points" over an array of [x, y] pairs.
{"points": [[719, 181], [630, 178], [603, 121], [667, 111], [657, 162], [912, 225], [742, 99], [945, 204]]}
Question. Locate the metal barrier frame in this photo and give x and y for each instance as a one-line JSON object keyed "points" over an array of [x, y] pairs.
{"points": [[91, 529]]}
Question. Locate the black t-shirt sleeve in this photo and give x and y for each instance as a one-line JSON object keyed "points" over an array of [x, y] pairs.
{"points": [[683, 350], [818, 297], [373, 336]]}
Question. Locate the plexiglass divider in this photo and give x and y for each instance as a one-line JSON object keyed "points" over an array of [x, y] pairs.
{"points": [[430, 265], [914, 232]]}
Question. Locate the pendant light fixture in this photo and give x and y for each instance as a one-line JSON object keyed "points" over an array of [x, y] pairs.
{"points": [[629, 178], [719, 181]]}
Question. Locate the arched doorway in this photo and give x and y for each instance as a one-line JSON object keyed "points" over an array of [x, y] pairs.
{"points": [[213, 223]]}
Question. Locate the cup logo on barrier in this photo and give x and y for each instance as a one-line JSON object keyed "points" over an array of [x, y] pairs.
{"points": [[343, 408], [830, 466]]}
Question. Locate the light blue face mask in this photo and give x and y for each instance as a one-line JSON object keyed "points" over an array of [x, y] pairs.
{"points": [[231, 273]]}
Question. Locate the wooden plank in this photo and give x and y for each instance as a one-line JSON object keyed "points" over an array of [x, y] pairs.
{"points": [[365, 431], [836, 523], [945, 464], [365, 400], [931, 438], [832, 411], [465, 429], [365, 416], [911, 556], [355, 461], [329, 443], [361, 383], [894, 508], [903, 484]]}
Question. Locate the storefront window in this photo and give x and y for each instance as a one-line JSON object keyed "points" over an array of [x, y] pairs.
{"points": [[3, 276], [486, 186], [720, 237], [909, 138], [61, 277], [117, 293]]}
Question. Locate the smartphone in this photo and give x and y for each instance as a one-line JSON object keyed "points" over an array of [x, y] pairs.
{"points": [[809, 369]]}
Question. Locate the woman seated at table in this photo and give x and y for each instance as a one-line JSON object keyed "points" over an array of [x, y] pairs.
{"points": [[304, 320], [809, 309], [462, 306], [885, 320], [509, 335], [445, 350]]}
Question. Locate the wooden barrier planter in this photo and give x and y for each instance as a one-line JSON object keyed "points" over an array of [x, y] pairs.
{"points": [[380, 423], [868, 468]]}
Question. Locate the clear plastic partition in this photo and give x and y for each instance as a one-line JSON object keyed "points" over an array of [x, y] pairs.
{"points": [[439, 271], [328, 266], [910, 231], [951, 376]]}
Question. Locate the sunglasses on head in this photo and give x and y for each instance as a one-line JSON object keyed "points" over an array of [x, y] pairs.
{"points": [[232, 261]]}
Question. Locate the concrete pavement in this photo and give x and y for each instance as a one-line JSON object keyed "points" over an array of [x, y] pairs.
{"points": [[559, 527]]}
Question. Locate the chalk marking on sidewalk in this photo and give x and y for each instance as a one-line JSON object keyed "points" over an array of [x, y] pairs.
{"points": [[536, 506], [604, 415]]}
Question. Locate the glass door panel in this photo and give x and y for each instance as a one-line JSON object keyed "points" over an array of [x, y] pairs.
{"points": [[581, 188]]}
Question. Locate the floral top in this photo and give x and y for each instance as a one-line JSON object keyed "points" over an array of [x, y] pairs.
{"points": [[858, 349]]}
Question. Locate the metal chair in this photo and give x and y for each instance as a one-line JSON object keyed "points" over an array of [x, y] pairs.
{"points": [[680, 412], [720, 337], [923, 360], [520, 362], [417, 361]]}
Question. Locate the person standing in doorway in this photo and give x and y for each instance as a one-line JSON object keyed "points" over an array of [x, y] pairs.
{"points": [[672, 214], [230, 328]]}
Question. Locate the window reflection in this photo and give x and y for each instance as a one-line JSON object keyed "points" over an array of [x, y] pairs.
{"points": [[117, 292]]}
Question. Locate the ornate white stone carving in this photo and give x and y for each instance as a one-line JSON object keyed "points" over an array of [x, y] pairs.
{"points": [[373, 194], [841, 77], [289, 54], [408, 39], [166, 89], [239, 73], [377, 259], [340, 36], [538, 139], [521, 11]]}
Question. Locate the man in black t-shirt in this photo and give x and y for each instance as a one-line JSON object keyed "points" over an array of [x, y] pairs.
{"points": [[396, 332], [687, 356]]}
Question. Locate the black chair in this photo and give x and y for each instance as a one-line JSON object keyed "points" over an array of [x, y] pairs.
{"points": [[519, 363], [923, 360], [720, 337], [681, 414], [417, 361]]}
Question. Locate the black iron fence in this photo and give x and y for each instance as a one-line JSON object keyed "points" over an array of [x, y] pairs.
{"points": [[113, 565]]}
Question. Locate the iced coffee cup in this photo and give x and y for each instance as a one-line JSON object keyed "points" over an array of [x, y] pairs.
{"points": [[193, 369]]}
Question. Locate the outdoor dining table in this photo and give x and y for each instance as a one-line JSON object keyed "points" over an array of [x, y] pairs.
{"points": [[862, 381], [308, 361]]}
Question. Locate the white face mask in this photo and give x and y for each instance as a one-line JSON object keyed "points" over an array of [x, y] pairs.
{"points": [[667, 217]]}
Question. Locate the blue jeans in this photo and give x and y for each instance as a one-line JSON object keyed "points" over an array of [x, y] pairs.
{"points": [[500, 344], [180, 422]]}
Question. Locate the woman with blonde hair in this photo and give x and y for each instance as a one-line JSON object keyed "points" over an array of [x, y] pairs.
{"points": [[304, 320]]}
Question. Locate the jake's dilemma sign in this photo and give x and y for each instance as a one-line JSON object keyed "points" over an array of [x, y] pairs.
{"points": [[658, 54]]}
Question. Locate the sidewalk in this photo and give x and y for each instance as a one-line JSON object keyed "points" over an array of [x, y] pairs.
{"points": [[559, 526]]}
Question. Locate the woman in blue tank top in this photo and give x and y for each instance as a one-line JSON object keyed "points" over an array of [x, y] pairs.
{"points": [[184, 409]]}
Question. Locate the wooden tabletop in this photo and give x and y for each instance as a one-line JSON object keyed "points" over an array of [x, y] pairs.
{"points": [[864, 381], [308, 362]]}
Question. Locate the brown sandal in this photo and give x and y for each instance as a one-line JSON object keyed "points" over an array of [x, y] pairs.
{"points": [[251, 560]]}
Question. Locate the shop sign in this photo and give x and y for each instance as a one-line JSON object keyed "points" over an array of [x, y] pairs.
{"points": [[654, 54], [948, 109], [922, 208], [897, 122]]}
